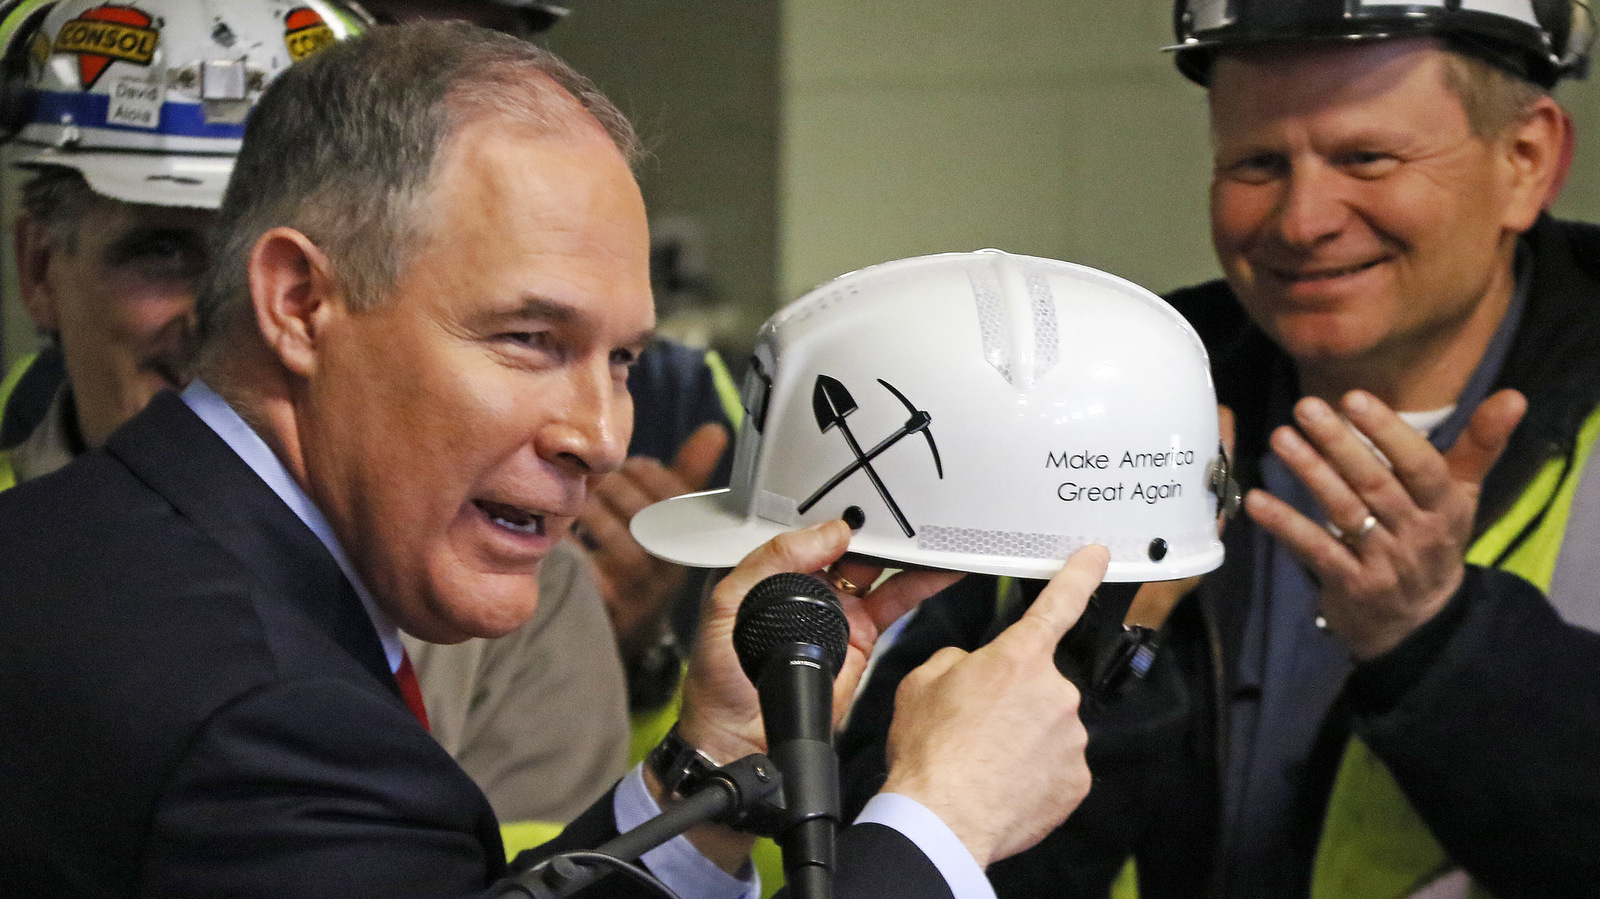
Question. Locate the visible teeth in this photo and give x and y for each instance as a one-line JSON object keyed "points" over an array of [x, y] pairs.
{"points": [[512, 518], [532, 527]]}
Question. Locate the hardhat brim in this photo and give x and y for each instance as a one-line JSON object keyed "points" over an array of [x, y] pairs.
{"points": [[708, 530], [188, 181], [701, 530], [1520, 49]]}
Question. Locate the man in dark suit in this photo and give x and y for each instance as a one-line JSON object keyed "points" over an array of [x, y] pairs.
{"points": [[432, 274]]}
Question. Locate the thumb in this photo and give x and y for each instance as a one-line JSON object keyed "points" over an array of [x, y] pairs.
{"points": [[1061, 603], [1486, 436], [699, 455], [808, 549]]}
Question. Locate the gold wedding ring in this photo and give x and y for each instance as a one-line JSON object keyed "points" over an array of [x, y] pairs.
{"points": [[844, 584]]}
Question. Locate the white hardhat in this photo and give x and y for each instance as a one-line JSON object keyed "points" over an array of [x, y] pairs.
{"points": [[980, 412], [148, 98]]}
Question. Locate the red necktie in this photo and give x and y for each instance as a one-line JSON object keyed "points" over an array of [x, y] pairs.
{"points": [[410, 690]]}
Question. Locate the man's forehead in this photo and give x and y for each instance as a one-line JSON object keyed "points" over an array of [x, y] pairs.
{"points": [[475, 131], [1306, 76], [1342, 58], [116, 218], [543, 225]]}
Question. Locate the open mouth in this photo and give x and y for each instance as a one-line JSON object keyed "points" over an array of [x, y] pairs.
{"points": [[512, 518]]}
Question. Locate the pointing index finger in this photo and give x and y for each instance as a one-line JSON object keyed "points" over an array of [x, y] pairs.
{"points": [[1062, 601]]}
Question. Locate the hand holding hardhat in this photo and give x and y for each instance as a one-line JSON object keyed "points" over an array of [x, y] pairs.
{"points": [[1005, 698], [977, 412]]}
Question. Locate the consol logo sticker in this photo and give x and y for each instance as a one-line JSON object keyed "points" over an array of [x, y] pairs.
{"points": [[107, 33], [305, 32]]}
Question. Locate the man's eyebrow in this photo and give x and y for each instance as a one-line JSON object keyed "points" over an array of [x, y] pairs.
{"points": [[643, 338], [546, 309], [534, 308]]}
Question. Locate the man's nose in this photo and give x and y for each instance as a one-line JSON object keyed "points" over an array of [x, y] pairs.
{"points": [[180, 326], [1312, 208], [589, 434], [189, 321]]}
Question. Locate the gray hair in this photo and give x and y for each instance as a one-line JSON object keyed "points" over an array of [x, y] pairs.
{"points": [[1494, 99], [342, 147], [59, 197]]}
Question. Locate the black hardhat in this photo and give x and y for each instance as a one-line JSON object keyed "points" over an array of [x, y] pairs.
{"points": [[524, 17], [1540, 40], [537, 14]]}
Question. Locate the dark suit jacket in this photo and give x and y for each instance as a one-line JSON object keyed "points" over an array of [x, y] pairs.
{"points": [[193, 701]]}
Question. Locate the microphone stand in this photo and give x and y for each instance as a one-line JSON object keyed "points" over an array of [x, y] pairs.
{"points": [[796, 689], [736, 793]]}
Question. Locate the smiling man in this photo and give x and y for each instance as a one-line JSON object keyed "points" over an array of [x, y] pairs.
{"points": [[1345, 708], [112, 234], [1395, 721], [1376, 206], [432, 277], [1364, 220], [113, 282]]}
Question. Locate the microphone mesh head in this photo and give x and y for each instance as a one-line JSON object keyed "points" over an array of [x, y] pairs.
{"points": [[789, 608]]}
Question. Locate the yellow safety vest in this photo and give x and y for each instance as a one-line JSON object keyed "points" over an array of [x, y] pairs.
{"points": [[1374, 844], [8, 478]]}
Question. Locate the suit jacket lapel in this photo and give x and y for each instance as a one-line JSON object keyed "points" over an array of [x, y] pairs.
{"points": [[178, 456]]}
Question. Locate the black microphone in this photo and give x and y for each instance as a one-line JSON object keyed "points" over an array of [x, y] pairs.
{"points": [[791, 636]]}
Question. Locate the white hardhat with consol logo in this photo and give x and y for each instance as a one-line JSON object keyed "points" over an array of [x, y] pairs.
{"points": [[981, 412], [148, 98]]}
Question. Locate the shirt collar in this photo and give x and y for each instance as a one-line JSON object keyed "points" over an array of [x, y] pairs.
{"points": [[243, 440], [55, 441], [1484, 377]]}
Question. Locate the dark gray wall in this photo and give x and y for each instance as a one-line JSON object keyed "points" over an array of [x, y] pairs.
{"points": [[700, 80]]}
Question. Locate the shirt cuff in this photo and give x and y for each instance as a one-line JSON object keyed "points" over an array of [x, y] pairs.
{"points": [[676, 862], [936, 840]]}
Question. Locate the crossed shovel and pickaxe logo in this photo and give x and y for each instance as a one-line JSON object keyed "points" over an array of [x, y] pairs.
{"points": [[832, 404]]}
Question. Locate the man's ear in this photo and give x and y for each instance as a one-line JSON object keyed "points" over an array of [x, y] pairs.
{"points": [[34, 243], [1569, 145], [1537, 151], [294, 294]]}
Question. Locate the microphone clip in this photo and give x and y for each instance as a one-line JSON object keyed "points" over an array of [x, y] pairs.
{"points": [[754, 781], [742, 794]]}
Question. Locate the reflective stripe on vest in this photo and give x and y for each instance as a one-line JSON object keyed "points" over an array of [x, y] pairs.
{"points": [[1373, 843], [727, 390], [8, 478]]}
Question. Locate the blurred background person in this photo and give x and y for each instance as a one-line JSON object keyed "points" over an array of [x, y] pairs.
{"points": [[112, 235]]}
